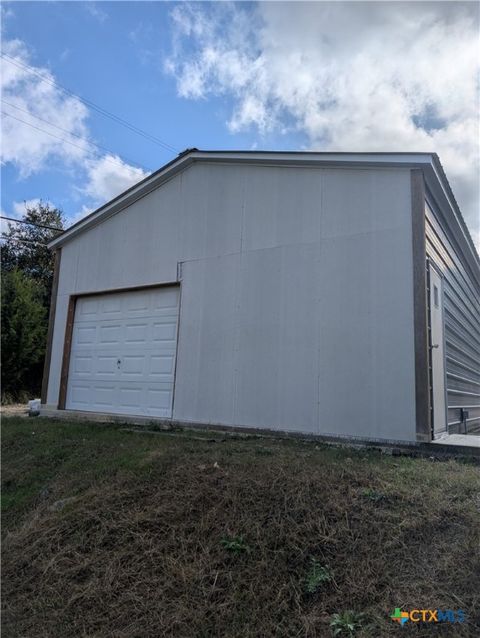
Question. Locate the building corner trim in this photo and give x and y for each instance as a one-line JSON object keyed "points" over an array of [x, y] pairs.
{"points": [[62, 395], [422, 393], [51, 325]]}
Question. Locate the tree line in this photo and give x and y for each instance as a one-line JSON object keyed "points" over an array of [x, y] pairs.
{"points": [[27, 267]]}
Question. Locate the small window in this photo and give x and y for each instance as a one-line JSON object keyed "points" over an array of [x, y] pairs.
{"points": [[435, 296]]}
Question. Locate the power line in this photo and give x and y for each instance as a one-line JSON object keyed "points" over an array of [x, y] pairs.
{"points": [[62, 139], [92, 105], [103, 148], [22, 221]]}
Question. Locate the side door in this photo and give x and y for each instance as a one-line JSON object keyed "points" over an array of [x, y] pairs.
{"points": [[437, 350]]}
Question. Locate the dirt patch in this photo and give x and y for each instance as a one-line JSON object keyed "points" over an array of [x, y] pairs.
{"points": [[15, 409]]}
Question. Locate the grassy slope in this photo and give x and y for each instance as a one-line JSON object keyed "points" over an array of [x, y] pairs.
{"points": [[139, 551]]}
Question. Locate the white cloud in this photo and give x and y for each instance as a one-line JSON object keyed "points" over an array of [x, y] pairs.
{"points": [[20, 208], [33, 145], [95, 11], [351, 76], [475, 235], [109, 176], [65, 54], [82, 212], [145, 42], [6, 12]]}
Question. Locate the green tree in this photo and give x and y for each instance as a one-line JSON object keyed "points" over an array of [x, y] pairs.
{"points": [[24, 245], [24, 329], [27, 276]]}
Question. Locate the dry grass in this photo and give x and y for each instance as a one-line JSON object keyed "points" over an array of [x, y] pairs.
{"points": [[175, 536]]}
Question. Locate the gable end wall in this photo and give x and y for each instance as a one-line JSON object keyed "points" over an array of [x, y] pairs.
{"points": [[296, 294]]}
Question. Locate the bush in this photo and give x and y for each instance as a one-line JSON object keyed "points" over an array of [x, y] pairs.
{"points": [[24, 330]]}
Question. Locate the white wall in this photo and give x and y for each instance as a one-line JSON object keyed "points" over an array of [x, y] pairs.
{"points": [[297, 293]]}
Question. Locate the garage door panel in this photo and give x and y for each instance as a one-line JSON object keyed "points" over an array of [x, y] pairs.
{"points": [[106, 364], [79, 395], [83, 365], [165, 301], [132, 397], [104, 396], [137, 332], [162, 365], [85, 335], [137, 302], [158, 399], [133, 366], [165, 330], [111, 307], [88, 309], [123, 352], [111, 334]]}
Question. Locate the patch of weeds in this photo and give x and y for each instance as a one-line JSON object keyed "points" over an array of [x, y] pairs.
{"points": [[17, 497], [467, 460], [318, 575], [373, 495], [155, 426], [263, 451], [235, 544], [347, 623]]}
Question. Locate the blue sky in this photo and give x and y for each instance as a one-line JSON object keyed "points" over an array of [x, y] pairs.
{"points": [[329, 76], [112, 54]]}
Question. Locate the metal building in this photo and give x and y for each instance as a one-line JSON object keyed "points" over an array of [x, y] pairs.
{"points": [[323, 293]]}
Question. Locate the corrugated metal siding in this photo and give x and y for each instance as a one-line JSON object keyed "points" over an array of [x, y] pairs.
{"points": [[462, 327]]}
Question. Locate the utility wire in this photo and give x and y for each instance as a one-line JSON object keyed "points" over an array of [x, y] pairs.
{"points": [[91, 104], [22, 221], [62, 139], [102, 148]]}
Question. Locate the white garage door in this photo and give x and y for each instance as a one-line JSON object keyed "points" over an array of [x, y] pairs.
{"points": [[122, 358]]}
